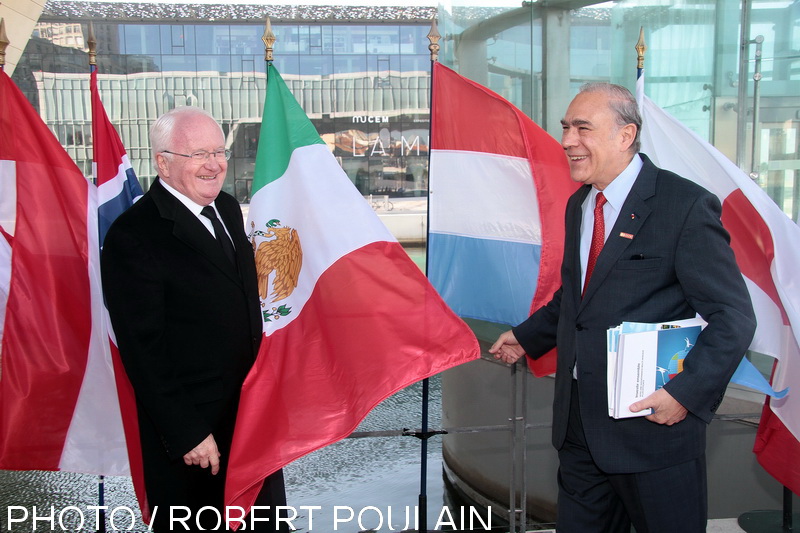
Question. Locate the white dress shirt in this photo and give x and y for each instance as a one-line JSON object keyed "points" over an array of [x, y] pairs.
{"points": [[196, 208]]}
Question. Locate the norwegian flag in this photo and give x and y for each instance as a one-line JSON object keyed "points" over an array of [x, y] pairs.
{"points": [[764, 241], [117, 189], [117, 186]]}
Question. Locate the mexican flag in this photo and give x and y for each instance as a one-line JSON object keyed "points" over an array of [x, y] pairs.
{"points": [[348, 318]]}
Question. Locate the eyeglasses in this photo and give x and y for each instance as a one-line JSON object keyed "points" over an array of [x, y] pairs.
{"points": [[203, 155]]}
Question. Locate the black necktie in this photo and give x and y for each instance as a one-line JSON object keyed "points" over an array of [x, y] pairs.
{"points": [[219, 230]]}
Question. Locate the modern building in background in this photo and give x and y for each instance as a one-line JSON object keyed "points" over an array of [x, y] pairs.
{"points": [[729, 70], [362, 75]]}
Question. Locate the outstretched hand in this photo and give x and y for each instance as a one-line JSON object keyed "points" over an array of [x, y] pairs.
{"points": [[204, 454], [666, 409], [507, 348]]}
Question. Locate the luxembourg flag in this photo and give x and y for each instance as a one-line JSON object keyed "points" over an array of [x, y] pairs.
{"points": [[764, 241], [58, 403], [117, 189], [349, 319], [499, 185]]}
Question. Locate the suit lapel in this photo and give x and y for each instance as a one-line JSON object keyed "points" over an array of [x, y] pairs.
{"points": [[188, 229], [631, 217]]}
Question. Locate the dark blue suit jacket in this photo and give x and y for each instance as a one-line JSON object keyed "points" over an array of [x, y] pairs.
{"points": [[678, 263]]}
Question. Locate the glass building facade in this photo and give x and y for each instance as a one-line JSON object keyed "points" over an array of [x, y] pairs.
{"points": [[730, 71], [364, 84], [363, 74]]}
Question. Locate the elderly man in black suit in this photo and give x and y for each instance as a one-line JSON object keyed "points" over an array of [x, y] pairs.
{"points": [[179, 281], [643, 245]]}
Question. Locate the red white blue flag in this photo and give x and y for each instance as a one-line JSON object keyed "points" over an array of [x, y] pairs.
{"points": [[499, 185], [117, 189], [764, 240], [116, 181], [58, 402]]}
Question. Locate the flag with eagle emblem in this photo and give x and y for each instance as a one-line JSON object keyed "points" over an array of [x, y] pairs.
{"points": [[349, 318]]}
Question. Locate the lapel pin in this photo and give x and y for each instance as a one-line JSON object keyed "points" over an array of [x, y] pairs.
{"points": [[633, 216], [626, 235]]}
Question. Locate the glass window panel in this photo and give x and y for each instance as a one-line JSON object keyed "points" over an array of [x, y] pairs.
{"points": [[413, 39], [178, 36], [416, 63], [180, 63], [246, 39], [327, 39], [383, 39], [315, 39], [244, 64], [218, 63], [287, 64], [142, 39], [166, 40], [212, 39], [316, 66], [143, 64], [177, 39], [349, 65], [303, 41], [349, 39], [287, 39]]}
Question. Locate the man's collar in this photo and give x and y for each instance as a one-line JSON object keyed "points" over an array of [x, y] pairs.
{"points": [[617, 191], [185, 200]]}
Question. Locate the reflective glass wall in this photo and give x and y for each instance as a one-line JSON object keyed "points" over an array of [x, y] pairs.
{"points": [[364, 85], [700, 66]]}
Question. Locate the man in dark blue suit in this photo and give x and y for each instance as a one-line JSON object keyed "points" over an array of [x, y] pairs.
{"points": [[660, 254]]}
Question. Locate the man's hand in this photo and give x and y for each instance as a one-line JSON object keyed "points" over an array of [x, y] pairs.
{"points": [[204, 454], [506, 348], [666, 409]]}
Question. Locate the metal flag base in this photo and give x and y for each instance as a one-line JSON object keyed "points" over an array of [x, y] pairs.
{"points": [[769, 522]]}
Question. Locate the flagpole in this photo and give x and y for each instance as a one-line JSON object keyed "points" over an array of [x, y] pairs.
{"points": [[4, 42], [641, 48], [433, 38], [91, 43]]}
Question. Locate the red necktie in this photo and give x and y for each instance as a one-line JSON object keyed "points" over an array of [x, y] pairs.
{"points": [[598, 237]]}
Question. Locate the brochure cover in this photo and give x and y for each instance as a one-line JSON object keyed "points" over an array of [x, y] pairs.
{"points": [[646, 356]]}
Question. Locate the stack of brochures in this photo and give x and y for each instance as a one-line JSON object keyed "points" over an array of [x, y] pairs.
{"points": [[643, 357]]}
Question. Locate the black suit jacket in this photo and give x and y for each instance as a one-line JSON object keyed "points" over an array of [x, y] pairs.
{"points": [[188, 327], [677, 263]]}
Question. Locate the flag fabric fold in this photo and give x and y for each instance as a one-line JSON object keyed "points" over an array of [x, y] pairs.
{"points": [[58, 408], [764, 241], [499, 185], [349, 319]]}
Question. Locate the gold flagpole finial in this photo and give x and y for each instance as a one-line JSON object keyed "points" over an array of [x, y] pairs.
{"points": [[641, 48], [4, 42], [92, 43], [433, 37], [269, 40]]}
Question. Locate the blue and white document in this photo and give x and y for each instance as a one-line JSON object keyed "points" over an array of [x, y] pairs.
{"points": [[643, 357]]}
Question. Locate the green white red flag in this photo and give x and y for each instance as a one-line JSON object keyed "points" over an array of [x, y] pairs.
{"points": [[349, 319]]}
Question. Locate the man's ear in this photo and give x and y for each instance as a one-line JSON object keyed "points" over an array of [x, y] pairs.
{"points": [[627, 134], [163, 168]]}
